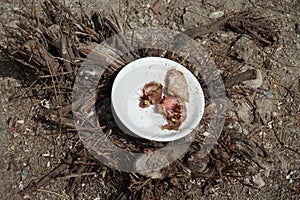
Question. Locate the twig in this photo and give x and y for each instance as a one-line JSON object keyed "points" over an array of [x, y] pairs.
{"points": [[76, 179], [201, 31], [244, 76], [55, 193], [282, 143], [48, 76], [87, 163], [47, 178], [27, 90], [78, 175], [52, 73], [242, 23]]}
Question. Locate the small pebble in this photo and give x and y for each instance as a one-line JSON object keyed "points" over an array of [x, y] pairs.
{"points": [[20, 121], [268, 94], [21, 185], [206, 134], [216, 14], [146, 17], [257, 179], [46, 154], [133, 24], [48, 164], [24, 174]]}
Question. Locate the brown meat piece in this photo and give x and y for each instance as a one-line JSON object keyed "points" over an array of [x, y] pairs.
{"points": [[152, 94], [174, 110], [177, 85]]}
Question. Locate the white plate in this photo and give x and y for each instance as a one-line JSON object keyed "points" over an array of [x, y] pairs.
{"points": [[146, 122]]}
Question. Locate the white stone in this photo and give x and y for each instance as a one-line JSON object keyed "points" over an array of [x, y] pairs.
{"points": [[48, 164], [216, 14], [257, 179], [206, 134]]}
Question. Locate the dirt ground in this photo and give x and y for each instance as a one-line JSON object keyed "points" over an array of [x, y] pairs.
{"points": [[272, 171]]}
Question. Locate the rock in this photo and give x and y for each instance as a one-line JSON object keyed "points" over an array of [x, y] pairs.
{"points": [[257, 179], [205, 134], [232, 5], [24, 174], [195, 15], [189, 19], [156, 174], [244, 48], [268, 94], [133, 24], [149, 163], [216, 14], [247, 181], [255, 83], [146, 17], [243, 111]]}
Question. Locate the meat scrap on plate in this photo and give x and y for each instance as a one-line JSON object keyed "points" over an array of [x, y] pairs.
{"points": [[151, 94], [172, 105]]}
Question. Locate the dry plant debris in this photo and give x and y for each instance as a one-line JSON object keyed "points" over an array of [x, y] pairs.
{"points": [[54, 42]]}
